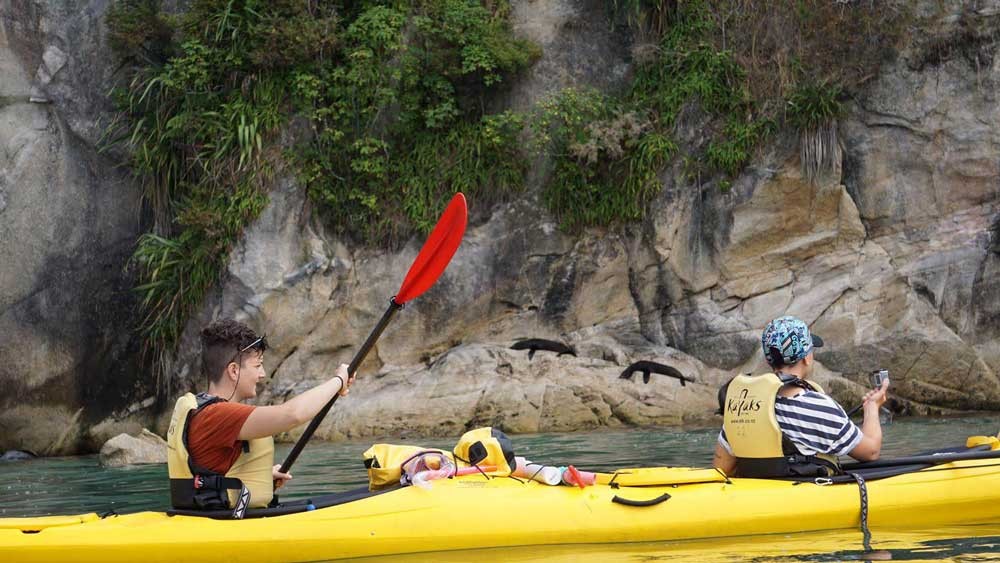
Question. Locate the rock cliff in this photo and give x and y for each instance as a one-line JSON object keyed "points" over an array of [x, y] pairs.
{"points": [[891, 256], [69, 218]]}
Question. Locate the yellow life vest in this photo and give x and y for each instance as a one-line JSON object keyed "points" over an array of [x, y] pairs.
{"points": [[384, 463], [752, 430], [247, 484], [487, 446]]}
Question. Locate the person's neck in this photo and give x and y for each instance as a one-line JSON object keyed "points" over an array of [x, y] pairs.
{"points": [[223, 391], [795, 370]]}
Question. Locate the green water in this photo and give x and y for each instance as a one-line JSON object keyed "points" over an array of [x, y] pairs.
{"points": [[78, 484], [72, 485]]}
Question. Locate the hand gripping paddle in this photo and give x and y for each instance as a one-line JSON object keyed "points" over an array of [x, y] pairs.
{"points": [[426, 269]]}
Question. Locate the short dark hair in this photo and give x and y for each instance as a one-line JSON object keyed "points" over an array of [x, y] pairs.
{"points": [[221, 341]]}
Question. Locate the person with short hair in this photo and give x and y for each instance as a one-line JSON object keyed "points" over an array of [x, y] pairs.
{"points": [[220, 451], [782, 423]]}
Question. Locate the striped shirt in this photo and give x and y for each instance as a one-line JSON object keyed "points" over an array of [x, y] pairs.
{"points": [[814, 422]]}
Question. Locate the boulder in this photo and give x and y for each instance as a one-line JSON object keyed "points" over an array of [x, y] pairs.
{"points": [[126, 449], [17, 455]]}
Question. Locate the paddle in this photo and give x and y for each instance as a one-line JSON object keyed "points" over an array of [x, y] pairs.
{"points": [[426, 269], [932, 459]]}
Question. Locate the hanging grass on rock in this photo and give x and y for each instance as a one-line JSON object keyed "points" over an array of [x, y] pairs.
{"points": [[814, 109], [606, 157], [197, 123]]}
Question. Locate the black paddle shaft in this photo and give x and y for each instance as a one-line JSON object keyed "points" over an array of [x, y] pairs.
{"points": [[932, 459], [351, 369]]}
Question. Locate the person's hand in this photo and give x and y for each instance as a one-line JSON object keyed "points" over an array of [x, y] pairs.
{"points": [[347, 379], [877, 396], [279, 477]]}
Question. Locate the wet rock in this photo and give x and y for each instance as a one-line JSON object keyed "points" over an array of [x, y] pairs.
{"points": [[17, 455]]}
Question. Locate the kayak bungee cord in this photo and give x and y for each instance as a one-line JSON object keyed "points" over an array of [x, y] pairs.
{"points": [[866, 533]]}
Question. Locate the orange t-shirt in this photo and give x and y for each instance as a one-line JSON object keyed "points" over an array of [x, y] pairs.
{"points": [[213, 435]]}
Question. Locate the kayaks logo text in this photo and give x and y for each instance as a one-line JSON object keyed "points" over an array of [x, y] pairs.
{"points": [[742, 404]]}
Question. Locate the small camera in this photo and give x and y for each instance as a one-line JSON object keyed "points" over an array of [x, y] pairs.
{"points": [[878, 376]]}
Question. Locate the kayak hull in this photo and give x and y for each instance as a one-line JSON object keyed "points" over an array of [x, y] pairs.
{"points": [[473, 512]]}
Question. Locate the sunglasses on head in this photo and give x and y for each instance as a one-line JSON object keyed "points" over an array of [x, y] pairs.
{"points": [[259, 344]]}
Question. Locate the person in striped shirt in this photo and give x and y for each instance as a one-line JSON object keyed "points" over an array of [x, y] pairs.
{"points": [[812, 421]]}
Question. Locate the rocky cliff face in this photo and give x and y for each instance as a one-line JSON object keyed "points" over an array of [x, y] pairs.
{"points": [[891, 256], [68, 220]]}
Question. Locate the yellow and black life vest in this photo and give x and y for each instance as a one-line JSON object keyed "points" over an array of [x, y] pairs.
{"points": [[247, 484], [384, 463], [760, 447], [487, 446]]}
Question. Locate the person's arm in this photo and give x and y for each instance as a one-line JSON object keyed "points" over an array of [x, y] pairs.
{"points": [[723, 460], [870, 446], [271, 420]]}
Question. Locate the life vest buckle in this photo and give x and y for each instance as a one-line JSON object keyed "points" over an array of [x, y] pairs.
{"points": [[198, 482]]}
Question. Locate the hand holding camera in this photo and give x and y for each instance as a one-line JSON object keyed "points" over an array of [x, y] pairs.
{"points": [[880, 386], [877, 396]]}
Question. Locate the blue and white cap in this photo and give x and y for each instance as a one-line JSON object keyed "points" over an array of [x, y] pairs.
{"points": [[787, 340]]}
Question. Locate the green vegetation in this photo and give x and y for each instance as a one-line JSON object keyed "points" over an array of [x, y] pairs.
{"points": [[399, 123], [608, 151], [606, 158], [811, 106], [749, 67], [393, 94]]}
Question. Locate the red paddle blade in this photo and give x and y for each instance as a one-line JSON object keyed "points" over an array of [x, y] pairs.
{"points": [[437, 251]]}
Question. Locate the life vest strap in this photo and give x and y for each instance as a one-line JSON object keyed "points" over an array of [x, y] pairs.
{"points": [[796, 465], [216, 482]]}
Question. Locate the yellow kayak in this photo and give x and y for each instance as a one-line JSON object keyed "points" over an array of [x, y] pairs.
{"points": [[976, 542], [474, 512]]}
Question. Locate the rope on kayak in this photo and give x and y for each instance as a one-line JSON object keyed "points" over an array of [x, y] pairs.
{"points": [[476, 465], [864, 511], [537, 471]]}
